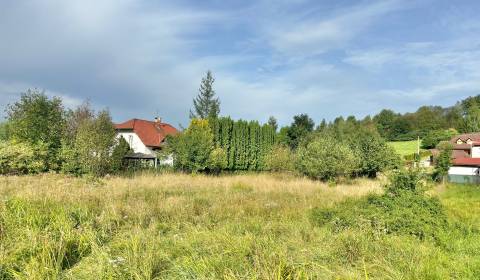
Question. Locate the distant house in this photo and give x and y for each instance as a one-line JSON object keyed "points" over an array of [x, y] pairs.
{"points": [[466, 159], [145, 138]]}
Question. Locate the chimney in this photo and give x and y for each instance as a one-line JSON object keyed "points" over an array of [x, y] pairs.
{"points": [[158, 120]]}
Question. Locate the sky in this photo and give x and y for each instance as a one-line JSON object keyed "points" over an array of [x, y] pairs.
{"points": [[142, 58]]}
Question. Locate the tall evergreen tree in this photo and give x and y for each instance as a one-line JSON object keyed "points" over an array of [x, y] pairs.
{"points": [[205, 105], [272, 121]]}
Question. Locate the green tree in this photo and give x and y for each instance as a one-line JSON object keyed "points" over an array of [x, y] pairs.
{"points": [[4, 134], [119, 152], [444, 161], [74, 118], [280, 159], [472, 119], [217, 160], [432, 138], [326, 158], [272, 121], [205, 105], [94, 142], [191, 149], [302, 126], [384, 121], [22, 157], [374, 153], [36, 118]]}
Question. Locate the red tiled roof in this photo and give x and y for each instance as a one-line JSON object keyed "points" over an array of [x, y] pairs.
{"points": [[462, 146], [460, 154], [151, 133], [467, 161]]}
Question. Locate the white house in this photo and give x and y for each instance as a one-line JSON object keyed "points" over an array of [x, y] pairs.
{"points": [[145, 138], [466, 159]]}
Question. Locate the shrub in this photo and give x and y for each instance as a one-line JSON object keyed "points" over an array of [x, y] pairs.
{"points": [[406, 180], [325, 158], [434, 137], [191, 149], [94, 143], [22, 158], [217, 160], [280, 158], [374, 153], [402, 210]]}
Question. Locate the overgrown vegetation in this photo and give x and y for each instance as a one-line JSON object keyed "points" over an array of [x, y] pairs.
{"points": [[232, 227]]}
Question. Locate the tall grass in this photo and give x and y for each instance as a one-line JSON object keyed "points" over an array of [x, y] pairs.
{"points": [[175, 226]]}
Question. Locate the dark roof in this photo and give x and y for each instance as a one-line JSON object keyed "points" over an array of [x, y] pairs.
{"points": [[466, 162], [151, 133], [139, 156]]}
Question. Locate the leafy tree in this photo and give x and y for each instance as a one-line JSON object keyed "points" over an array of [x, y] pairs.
{"points": [[384, 121], [472, 119], [119, 152], [217, 160], [434, 137], [205, 105], [272, 121], [279, 159], [35, 118], [191, 149], [4, 134], [22, 158], [374, 153], [302, 125], [325, 158], [74, 118], [444, 161], [94, 142]]}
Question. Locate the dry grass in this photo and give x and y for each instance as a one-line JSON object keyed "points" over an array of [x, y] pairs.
{"points": [[164, 226]]}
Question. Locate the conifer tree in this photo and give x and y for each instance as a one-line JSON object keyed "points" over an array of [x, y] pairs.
{"points": [[205, 105]]}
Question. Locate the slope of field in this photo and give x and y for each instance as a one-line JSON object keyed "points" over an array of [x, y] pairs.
{"points": [[404, 148], [198, 227]]}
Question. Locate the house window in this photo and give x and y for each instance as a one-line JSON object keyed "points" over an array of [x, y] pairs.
{"points": [[469, 141], [459, 141], [130, 140]]}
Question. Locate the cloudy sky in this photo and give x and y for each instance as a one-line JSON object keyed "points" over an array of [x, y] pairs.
{"points": [[269, 57]]}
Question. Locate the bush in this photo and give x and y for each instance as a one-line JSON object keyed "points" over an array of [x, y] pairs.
{"points": [[325, 158], [403, 210], [22, 158], [191, 149], [434, 137], [374, 153], [280, 158], [217, 160]]}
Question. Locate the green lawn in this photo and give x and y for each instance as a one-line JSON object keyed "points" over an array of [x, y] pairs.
{"points": [[404, 148]]}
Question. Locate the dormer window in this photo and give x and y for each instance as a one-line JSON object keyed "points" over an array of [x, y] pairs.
{"points": [[459, 141], [469, 141]]}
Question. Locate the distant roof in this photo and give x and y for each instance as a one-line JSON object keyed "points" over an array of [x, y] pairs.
{"points": [[475, 136], [151, 133], [466, 162]]}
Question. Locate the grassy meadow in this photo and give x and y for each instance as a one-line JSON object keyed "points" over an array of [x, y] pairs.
{"points": [[255, 226], [404, 148]]}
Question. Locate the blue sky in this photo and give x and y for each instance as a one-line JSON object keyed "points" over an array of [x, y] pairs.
{"points": [[280, 58]]}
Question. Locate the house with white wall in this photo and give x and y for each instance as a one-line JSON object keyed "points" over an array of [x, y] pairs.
{"points": [[466, 159], [145, 138]]}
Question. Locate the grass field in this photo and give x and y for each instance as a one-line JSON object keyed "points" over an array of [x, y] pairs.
{"points": [[404, 148], [234, 227]]}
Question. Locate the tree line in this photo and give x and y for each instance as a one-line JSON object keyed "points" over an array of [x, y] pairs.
{"points": [[40, 135]]}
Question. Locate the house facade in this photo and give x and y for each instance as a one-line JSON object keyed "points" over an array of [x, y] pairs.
{"points": [[466, 159], [145, 138]]}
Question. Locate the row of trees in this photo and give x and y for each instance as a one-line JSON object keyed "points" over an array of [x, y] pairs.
{"points": [[462, 117], [41, 135]]}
